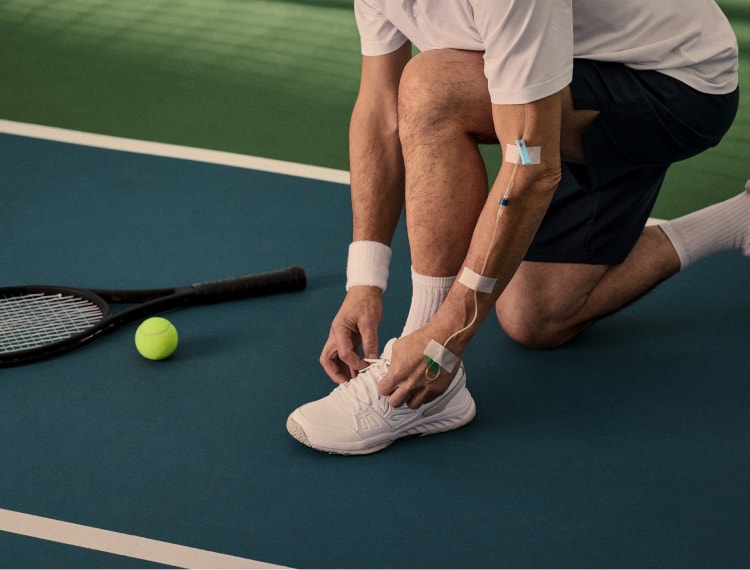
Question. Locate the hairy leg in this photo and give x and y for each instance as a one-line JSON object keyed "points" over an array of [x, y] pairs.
{"points": [[549, 304], [444, 113]]}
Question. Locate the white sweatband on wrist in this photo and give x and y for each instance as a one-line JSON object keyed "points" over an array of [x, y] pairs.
{"points": [[368, 264]]}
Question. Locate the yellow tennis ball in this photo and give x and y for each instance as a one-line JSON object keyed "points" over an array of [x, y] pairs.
{"points": [[156, 338]]}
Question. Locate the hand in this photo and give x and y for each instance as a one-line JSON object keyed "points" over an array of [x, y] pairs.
{"points": [[355, 325], [406, 382]]}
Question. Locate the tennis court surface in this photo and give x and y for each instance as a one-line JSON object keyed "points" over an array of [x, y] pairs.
{"points": [[628, 448]]}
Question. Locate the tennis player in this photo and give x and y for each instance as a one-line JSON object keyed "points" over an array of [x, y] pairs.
{"points": [[589, 104]]}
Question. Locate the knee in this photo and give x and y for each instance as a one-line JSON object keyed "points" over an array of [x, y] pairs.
{"points": [[422, 102], [534, 332], [441, 91]]}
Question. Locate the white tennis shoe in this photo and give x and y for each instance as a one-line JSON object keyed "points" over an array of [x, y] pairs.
{"points": [[355, 419]]}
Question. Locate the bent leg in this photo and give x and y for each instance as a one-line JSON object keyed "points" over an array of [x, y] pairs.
{"points": [[549, 304], [592, 255], [444, 114]]}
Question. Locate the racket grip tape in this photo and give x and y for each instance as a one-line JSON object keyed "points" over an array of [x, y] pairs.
{"points": [[256, 285]]}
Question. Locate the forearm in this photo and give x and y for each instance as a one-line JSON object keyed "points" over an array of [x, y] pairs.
{"points": [[377, 173], [508, 222], [376, 163], [377, 194], [500, 241]]}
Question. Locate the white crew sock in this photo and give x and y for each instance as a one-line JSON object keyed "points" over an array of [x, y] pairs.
{"points": [[428, 293], [722, 227]]}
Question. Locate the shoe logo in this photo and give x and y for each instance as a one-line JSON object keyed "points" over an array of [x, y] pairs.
{"points": [[382, 414], [369, 422], [398, 415], [381, 406]]}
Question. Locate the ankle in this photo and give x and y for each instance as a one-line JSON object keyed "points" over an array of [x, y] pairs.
{"points": [[428, 294], [722, 227]]}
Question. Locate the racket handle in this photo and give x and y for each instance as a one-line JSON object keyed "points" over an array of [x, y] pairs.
{"points": [[282, 281]]}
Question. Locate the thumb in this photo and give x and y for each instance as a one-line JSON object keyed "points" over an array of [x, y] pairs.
{"points": [[370, 342]]}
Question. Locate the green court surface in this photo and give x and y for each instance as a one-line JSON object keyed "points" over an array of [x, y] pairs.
{"points": [[265, 78]]}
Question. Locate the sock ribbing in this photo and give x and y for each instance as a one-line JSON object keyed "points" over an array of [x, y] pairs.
{"points": [[722, 227], [428, 293]]}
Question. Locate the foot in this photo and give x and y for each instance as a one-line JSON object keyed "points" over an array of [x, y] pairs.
{"points": [[355, 419], [721, 227]]}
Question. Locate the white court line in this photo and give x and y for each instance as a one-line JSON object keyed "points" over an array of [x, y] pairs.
{"points": [[182, 152], [174, 151], [121, 544]]}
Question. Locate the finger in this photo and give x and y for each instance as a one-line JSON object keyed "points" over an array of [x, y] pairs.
{"points": [[420, 399], [396, 392], [399, 397], [426, 393], [370, 347], [388, 384], [336, 371], [347, 353], [333, 366], [412, 396], [352, 360]]}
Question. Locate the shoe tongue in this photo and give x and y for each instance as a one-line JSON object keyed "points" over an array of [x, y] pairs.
{"points": [[388, 350]]}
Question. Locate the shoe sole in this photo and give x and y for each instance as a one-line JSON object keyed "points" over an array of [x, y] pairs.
{"points": [[298, 433]]}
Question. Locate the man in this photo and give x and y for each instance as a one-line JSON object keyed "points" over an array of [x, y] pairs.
{"points": [[590, 103]]}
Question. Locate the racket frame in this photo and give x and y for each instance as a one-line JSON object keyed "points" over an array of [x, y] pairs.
{"points": [[148, 302]]}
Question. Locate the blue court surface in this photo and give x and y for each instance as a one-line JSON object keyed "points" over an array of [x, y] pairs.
{"points": [[628, 448]]}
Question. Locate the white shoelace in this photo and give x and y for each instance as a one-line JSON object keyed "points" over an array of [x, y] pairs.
{"points": [[365, 390]]}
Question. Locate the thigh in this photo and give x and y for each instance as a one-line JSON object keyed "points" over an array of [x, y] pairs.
{"points": [[584, 226], [639, 123], [645, 119]]}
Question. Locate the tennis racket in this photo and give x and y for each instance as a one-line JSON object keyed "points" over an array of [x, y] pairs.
{"points": [[38, 322]]}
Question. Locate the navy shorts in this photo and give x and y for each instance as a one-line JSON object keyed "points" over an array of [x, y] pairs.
{"points": [[647, 121]]}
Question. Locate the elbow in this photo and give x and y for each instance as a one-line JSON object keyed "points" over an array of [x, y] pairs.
{"points": [[546, 180], [551, 180]]}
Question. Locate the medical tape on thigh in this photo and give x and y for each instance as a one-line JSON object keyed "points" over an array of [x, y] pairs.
{"points": [[440, 355], [522, 154], [477, 282]]}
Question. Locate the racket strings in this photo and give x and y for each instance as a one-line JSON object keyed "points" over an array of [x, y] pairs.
{"points": [[38, 319]]}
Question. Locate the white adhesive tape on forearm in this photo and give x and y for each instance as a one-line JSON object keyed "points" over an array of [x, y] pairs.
{"points": [[368, 264], [477, 282], [444, 357], [513, 154]]}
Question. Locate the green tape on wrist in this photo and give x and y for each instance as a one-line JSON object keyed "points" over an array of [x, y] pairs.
{"points": [[432, 366]]}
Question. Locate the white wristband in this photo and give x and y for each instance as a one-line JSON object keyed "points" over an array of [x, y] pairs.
{"points": [[368, 264]]}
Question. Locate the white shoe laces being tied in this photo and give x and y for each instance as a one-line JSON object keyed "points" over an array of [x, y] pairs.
{"points": [[365, 389], [355, 419]]}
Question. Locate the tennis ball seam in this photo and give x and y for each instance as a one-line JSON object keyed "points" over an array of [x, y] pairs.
{"points": [[156, 344]]}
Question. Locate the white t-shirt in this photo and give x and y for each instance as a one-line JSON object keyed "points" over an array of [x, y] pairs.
{"points": [[529, 45]]}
